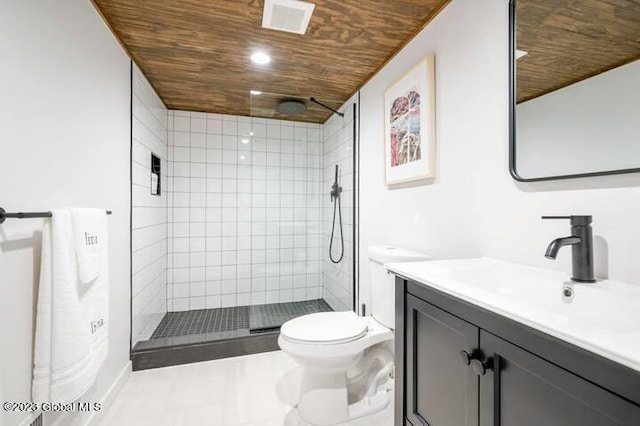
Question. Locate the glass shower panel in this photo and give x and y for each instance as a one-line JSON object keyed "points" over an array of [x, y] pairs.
{"points": [[292, 281], [338, 278]]}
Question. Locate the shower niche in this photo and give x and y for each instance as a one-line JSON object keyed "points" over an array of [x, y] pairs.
{"points": [[249, 227], [155, 174]]}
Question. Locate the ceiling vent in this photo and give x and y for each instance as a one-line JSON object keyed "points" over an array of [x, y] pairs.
{"points": [[291, 16]]}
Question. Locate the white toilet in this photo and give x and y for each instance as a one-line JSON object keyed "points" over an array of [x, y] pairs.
{"points": [[347, 359]]}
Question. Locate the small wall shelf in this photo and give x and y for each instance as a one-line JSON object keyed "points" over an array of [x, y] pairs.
{"points": [[155, 175]]}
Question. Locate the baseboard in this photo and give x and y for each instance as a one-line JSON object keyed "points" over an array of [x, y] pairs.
{"points": [[31, 419], [92, 418], [95, 417], [75, 418]]}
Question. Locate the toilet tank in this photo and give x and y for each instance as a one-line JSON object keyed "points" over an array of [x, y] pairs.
{"points": [[383, 298]]}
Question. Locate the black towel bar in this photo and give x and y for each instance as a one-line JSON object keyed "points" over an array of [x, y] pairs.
{"points": [[4, 215]]}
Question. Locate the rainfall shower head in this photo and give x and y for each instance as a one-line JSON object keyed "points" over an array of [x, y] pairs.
{"points": [[291, 107]]}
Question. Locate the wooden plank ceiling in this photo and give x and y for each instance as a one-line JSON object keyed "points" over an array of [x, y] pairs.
{"points": [[196, 52], [570, 40]]}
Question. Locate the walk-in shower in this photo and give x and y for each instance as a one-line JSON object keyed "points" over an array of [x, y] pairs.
{"points": [[249, 228]]}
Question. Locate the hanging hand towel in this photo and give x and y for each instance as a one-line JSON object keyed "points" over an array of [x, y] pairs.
{"points": [[90, 237], [72, 319]]}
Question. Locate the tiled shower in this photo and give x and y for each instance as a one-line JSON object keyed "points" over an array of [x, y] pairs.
{"points": [[243, 219], [244, 211]]}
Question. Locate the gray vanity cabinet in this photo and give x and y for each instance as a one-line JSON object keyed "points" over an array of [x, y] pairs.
{"points": [[439, 391], [452, 369], [522, 389]]}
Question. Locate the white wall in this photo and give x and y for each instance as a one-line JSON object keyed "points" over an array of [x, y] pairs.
{"points": [[149, 227], [590, 126], [245, 223], [474, 207], [64, 141]]}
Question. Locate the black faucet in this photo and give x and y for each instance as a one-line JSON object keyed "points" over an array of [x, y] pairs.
{"points": [[581, 242]]}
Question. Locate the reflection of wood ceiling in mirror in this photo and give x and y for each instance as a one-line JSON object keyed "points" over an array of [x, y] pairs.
{"points": [[196, 52], [571, 40]]}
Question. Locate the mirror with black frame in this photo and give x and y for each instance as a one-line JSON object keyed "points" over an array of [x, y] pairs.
{"points": [[575, 88]]}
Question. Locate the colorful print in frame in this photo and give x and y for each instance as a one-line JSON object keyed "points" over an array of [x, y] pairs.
{"points": [[410, 136]]}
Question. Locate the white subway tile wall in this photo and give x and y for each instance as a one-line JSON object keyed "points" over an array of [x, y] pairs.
{"points": [[337, 279], [149, 228], [244, 218]]}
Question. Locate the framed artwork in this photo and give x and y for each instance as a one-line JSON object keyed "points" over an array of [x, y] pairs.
{"points": [[410, 134]]}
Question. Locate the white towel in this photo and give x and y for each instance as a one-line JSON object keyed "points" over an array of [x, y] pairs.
{"points": [[90, 238], [72, 320]]}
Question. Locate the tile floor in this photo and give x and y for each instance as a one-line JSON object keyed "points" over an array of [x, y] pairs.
{"points": [[202, 321], [252, 390], [273, 315]]}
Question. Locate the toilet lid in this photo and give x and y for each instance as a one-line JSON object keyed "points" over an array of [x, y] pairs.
{"points": [[325, 328]]}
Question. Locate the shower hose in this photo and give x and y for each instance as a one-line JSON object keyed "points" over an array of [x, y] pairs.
{"points": [[336, 206]]}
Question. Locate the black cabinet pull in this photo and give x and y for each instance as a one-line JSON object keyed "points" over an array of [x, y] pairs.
{"points": [[465, 357], [480, 367]]}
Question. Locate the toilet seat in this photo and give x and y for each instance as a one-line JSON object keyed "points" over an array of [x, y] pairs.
{"points": [[300, 345], [325, 328]]}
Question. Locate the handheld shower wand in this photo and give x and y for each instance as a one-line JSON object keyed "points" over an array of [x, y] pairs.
{"points": [[336, 190]]}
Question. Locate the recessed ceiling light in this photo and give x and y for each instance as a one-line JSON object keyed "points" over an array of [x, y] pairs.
{"points": [[255, 92], [242, 157], [245, 141], [260, 58], [250, 133]]}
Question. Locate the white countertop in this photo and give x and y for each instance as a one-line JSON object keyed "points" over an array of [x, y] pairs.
{"points": [[603, 318]]}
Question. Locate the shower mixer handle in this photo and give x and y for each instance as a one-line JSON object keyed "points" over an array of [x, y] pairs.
{"points": [[335, 191], [335, 188]]}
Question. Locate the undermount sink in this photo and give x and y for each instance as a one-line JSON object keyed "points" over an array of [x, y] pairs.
{"points": [[603, 317]]}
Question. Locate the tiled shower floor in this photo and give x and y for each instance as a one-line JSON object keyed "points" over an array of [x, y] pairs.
{"points": [[202, 321], [265, 317], [205, 325]]}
